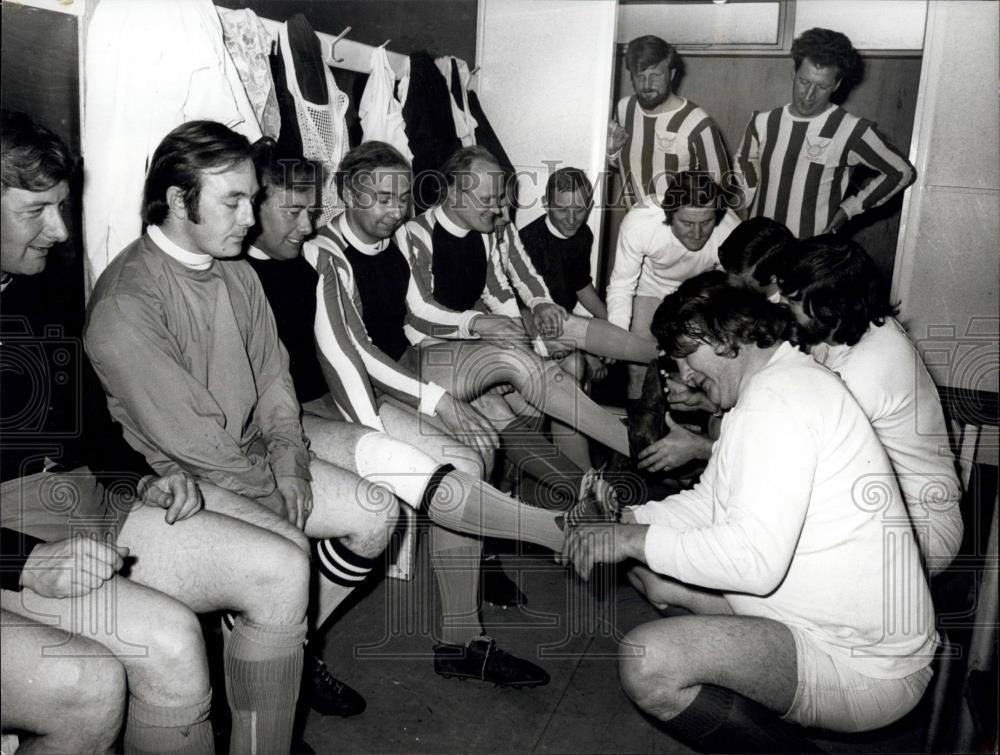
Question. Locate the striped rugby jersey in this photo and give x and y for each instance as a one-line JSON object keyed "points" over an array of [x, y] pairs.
{"points": [[658, 146], [797, 170], [509, 269], [353, 366]]}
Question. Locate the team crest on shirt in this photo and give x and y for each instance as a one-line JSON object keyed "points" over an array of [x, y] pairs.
{"points": [[816, 149], [666, 142]]}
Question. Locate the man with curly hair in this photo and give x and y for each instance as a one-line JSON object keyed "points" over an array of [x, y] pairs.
{"points": [[795, 162], [793, 553]]}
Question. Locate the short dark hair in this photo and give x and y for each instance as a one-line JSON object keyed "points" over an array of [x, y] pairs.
{"points": [[461, 161], [826, 47], [32, 157], [180, 159], [367, 157], [568, 179], [839, 286], [709, 309], [647, 51], [752, 244], [691, 188], [277, 165]]}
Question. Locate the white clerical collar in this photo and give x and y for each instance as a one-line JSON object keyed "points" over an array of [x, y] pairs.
{"points": [[5, 280], [192, 260], [448, 224], [257, 254], [553, 230], [352, 238]]}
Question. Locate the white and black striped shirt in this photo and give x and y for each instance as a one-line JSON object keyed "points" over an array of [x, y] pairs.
{"points": [[797, 170], [658, 146]]}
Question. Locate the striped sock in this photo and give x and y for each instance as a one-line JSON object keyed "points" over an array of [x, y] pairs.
{"points": [[340, 571]]}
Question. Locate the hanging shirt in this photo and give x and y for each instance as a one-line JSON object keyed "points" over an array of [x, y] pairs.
{"points": [[430, 127], [456, 73], [797, 170], [322, 127], [149, 68], [658, 146], [194, 369], [249, 44], [380, 111]]}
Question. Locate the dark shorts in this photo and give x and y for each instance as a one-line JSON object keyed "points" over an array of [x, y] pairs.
{"points": [[55, 505]]}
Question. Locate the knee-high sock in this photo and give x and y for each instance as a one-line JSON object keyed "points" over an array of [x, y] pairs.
{"points": [[340, 571], [560, 397], [455, 559], [720, 720], [157, 729], [460, 502], [532, 453], [607, 340], [263, 664]]}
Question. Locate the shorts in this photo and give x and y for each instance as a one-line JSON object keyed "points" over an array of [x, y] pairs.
{"points": [[56, 505], [833, 696]]}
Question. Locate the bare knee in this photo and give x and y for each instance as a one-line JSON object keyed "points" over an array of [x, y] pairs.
{"points": [[175, 660], [648, 668], [90, 692], [371, 538], [280, 582]]}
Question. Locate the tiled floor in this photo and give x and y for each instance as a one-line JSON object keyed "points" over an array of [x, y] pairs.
{"points": [[382, 647]]}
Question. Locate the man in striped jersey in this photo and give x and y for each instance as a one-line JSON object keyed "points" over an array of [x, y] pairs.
{"points": [[795, 162], [658, 133]]}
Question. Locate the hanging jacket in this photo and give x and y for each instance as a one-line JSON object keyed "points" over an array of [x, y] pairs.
{"points": [[149, 68], [430, 128]]}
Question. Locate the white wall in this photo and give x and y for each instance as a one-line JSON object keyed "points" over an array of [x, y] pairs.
{"points": [[545, 83], [947, 264]]}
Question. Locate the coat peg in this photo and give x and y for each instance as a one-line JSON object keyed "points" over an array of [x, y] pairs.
{"points": [[333, 45], [473, 72]]}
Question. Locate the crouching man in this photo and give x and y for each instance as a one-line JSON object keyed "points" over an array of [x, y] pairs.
{"points": [[794, 553]]}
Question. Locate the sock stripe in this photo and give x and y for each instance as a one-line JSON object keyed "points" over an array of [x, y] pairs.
{"points": [[433, 484], [335, 567]]}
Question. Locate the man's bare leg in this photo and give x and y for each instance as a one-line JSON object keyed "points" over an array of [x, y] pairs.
{"points": [[73, 702], [664, 592]]}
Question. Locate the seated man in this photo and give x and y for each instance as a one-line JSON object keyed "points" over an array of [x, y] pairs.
{"points": [[809, 604], [559, 244], [77, 501], [185, 344], [659, 248], [842, 305], [465, 274], [422, 448]]}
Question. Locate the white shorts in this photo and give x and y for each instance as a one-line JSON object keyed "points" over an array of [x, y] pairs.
{"points": [[833, 696]]}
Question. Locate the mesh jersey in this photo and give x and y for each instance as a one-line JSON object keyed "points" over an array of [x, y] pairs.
{"points": [[797, 170], [322, 128]]}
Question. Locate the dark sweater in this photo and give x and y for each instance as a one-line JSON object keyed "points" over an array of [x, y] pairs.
{"points": [[382, 280], [459, 267], [51, 402], [290, 287], [563, 263]]}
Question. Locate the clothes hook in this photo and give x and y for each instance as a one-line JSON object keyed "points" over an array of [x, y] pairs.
{"points": [[333, 44]]}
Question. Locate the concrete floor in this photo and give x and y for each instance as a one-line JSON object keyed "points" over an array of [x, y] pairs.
{"points": [[382, 647]]}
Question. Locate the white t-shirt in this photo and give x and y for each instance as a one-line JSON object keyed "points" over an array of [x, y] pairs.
{"points": [[798, 519], [650, 261], [889, 380]]}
